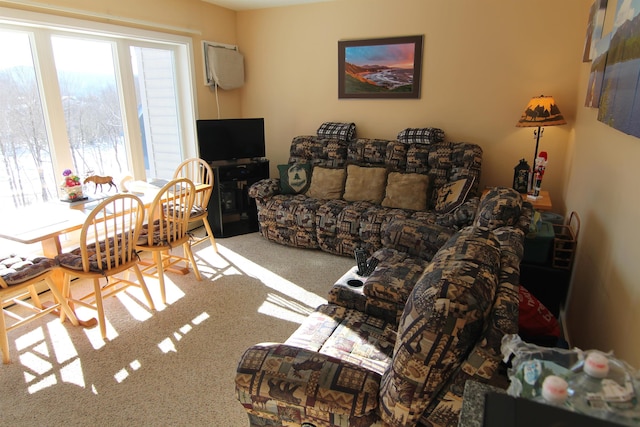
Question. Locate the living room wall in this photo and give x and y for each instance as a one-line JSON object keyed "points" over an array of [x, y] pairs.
{"points": [[482, 62]]}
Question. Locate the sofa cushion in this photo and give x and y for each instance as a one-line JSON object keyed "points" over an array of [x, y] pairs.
{"points": [[406, 191], [294, 179], [346, 334], [16, 269], [365, 184], [326, 152], [452, 195], [327, 183], [421, 135], [416, 238], [442, 320], [500, 206], [343, 131]]}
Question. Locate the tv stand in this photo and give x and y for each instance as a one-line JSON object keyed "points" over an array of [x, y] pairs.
{"points": [[231, 210]]}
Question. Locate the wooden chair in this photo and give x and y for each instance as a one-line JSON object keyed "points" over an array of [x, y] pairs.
{"points": [[107, 248], [167, 228], [199, 172], [18, 277]]}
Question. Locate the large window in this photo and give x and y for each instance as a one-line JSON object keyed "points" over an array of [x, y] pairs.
{"points": [[106, 101]]}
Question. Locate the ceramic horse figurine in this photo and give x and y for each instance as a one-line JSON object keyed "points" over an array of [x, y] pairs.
{"points": [[99, 180]]}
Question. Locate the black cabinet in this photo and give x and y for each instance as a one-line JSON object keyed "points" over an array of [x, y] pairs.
{"points": [[231, 210]]}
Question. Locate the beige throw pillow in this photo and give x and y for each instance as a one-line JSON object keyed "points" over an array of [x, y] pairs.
{"points": [[365, 184], [406, 191], [326, 183]]}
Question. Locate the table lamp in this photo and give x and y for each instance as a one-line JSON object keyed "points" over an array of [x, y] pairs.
{"points": [[541, 111]]}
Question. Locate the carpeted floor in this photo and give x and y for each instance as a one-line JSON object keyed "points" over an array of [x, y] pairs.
{"points": [[174, 366]]}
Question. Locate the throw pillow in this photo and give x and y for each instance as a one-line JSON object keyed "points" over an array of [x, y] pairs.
{"points": [[294, 179], [326, 183], [365, 184], [406, 191], [421, 135], [342, 131], [452, 195]]}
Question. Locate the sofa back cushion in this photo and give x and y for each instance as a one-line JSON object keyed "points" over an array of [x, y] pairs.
{"points": [[443, 162], [327, 152], [442, 320], [499, 207]]}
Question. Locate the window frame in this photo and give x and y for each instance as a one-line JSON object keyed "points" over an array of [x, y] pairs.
{"points": [[43, 26]]}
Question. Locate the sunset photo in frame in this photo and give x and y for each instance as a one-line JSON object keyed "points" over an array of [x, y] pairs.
{"points": [[380, 68]]}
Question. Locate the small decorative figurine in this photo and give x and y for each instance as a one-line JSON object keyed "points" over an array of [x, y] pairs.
{"points": [[71, 187], [99, 180], [521, 176]]}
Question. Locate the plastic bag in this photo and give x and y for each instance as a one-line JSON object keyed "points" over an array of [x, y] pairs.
{"points": [[531, 364]]}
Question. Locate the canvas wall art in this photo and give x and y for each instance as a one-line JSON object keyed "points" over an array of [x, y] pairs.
{"points": [[380, 68], [620, 98]]}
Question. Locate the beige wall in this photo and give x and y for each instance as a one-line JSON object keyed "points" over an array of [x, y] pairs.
{"points": [[483, 61], [203, 21], [603, 310]]}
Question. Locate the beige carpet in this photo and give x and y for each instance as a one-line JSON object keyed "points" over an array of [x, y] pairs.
{"points": [[174, 366]]}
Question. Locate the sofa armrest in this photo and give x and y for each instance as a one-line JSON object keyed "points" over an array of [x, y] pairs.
{"points": [[271, 375], [462, 216], [414, 237], [265, 188]]}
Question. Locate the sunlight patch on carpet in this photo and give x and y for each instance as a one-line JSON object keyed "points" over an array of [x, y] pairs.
{"points": [[168, 345], [271, 280], [284, 309]]}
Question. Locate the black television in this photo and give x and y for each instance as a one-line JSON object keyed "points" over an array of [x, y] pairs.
{"points": [[230, 139]]}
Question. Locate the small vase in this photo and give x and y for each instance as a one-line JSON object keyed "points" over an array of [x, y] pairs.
{"points": [[70, 194]]}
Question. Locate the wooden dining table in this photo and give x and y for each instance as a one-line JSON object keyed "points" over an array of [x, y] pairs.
{"points": [[48, 223]]}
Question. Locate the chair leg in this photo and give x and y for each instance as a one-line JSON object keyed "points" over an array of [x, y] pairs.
{"points": [[34, 297], [100, 307], [143, 286], [189, 253], [4, 339], [157, 258], [66, 295], [207, 227]]}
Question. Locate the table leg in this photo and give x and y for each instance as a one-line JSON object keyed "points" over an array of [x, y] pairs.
{"points": [[51, 248]]}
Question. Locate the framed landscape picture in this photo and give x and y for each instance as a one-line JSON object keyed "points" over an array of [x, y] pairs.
{"points": [[380, 68]]}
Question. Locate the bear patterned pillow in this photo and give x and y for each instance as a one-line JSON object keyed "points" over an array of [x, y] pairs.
{"points": [[295, 178], [450, 196]]}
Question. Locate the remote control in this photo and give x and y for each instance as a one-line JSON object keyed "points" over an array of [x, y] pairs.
{"points": [[361, 260], [371, 266]]}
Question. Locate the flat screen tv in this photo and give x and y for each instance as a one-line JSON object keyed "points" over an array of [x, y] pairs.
{"points": [[230, 139]]}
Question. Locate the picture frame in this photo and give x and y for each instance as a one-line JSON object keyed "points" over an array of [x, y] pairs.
{"points": [[380, 68]]}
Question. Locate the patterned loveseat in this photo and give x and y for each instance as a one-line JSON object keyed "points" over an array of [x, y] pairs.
{"points": [[353, 219], [347, 366]]}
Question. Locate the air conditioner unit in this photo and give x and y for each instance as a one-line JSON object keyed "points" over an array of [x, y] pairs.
{"points": [[224, 66]]}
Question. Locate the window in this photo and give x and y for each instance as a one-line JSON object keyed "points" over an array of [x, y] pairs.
{"points": [[94, 98]]}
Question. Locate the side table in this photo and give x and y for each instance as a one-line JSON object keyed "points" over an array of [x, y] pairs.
{"points": [[541, 203]]}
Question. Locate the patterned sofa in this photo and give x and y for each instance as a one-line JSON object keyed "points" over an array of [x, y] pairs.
{"points": [[348, 366], [352, 219]]}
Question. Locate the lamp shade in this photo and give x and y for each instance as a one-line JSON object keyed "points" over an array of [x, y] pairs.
{"points": [[541, 111]]}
